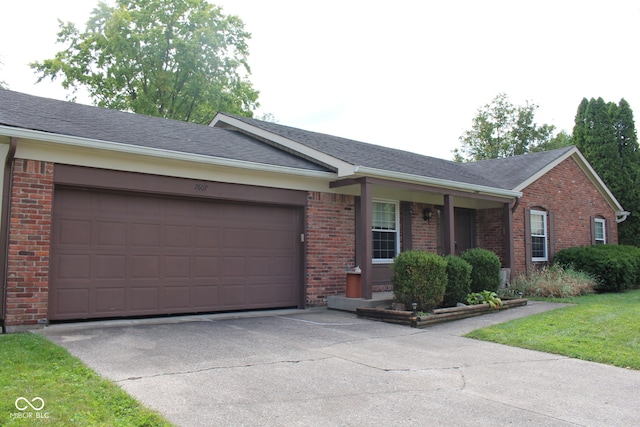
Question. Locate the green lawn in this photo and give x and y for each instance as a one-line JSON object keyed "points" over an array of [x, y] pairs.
{"points": [[601, 328], [73, 395]]}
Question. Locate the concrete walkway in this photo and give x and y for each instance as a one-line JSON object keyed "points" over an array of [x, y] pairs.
{"points": [[328, 368]]}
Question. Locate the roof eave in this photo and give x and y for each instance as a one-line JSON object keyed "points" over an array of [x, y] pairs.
{"points": [[75, 141]]}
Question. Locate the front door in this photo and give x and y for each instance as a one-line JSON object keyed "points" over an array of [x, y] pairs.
{"points": [[464, 229]]}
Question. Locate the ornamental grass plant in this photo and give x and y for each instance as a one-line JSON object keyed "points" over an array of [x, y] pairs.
{"points": [[555, 281]]}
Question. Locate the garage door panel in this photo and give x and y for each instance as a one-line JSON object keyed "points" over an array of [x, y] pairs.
{"points": [[74, 266], [74, 232], [110, 301], [177, 236], [177, 266], [72, 303], [177, 297], [109, 233], [145, 235], [234, 267], [206, 237], [206, 267], [206, 296], [129, 254], [111, 266], [145, 266], [144, 299]]}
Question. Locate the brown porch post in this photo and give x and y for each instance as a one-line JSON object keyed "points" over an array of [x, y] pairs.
{"points": [[508, 238], [366, 236], [449, 228]]}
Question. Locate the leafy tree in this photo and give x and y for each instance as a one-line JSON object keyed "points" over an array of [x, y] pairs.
{"points": [[179, 59], [606, 135], [561, 139], [502, 129]]}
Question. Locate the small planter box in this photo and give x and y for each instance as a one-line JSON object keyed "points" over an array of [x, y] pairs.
{"points": [[437, 316]]}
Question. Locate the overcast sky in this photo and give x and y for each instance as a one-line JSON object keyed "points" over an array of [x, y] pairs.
{"points": [[402, 73]]}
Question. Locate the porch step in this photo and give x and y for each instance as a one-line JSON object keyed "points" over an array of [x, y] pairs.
{"points": [[341, 302]]}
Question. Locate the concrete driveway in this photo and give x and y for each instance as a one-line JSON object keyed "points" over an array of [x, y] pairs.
{"points": [[328, 368]]}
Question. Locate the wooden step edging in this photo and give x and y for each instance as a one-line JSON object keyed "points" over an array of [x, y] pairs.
{"points": [[437, 316]]}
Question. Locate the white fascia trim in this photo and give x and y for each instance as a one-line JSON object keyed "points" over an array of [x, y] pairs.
{"points": [[436, 182], [75, 141], [343, 168]]}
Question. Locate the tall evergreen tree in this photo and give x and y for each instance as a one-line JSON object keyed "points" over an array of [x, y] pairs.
{"points": [[606, 135]]}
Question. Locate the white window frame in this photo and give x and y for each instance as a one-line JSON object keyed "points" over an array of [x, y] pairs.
{"points": [[545, 235], [396, 231], [603, 240]]}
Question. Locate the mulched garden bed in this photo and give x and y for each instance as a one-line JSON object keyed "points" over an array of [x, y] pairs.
{"points": [[439, 315]]}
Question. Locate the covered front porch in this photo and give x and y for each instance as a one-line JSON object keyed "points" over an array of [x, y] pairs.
{"points": [[393, 216]]}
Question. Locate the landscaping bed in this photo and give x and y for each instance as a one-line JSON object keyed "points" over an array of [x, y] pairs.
{"points": [[407, 317]]}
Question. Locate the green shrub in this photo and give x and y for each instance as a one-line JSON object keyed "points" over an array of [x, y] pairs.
{"points": [[458, 281], [419, 277], [615, 267], [485, 272], [554, 281]]}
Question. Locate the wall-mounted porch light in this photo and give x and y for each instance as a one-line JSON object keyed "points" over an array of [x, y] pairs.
{"points": [[427, 213]]}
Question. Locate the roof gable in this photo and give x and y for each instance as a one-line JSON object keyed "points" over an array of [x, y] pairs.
{"points": [[518, 172]]}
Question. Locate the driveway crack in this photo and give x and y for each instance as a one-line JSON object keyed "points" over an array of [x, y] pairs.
{"points": [[217, 368]]}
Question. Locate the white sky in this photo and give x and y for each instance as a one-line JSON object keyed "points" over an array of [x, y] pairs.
{"points": [[406, 74]]}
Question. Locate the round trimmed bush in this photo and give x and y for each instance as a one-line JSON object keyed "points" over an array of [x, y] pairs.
{"points": [[459, 281], [419, 277], [485, 272]]}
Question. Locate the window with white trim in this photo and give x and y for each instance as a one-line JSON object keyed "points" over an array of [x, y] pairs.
{"points": [[539, 241], [385, 230], [600, 231]]}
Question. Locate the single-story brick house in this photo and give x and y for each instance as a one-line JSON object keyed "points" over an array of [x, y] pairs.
{"points": [[109, 214]]}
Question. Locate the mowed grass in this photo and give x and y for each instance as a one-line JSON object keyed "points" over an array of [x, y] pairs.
{"points": [[73, 395], [601, 328]]}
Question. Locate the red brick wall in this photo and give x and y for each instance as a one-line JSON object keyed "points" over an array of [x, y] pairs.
{"points": [[490, 231], [568, 193], [330, 245], [424, 235], [29, 241]]}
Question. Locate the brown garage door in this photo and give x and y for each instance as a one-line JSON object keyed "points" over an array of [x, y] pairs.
{"points": [[116, 254]]}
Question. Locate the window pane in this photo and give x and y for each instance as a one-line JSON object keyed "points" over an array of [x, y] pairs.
{"points": [[384, 216], [538, 249], [384, 245], [599, 230], [537, 224]]}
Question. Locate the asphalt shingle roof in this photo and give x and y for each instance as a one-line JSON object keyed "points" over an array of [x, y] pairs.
{"points": [[376, 156], [67, 118], [509, 172]]}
